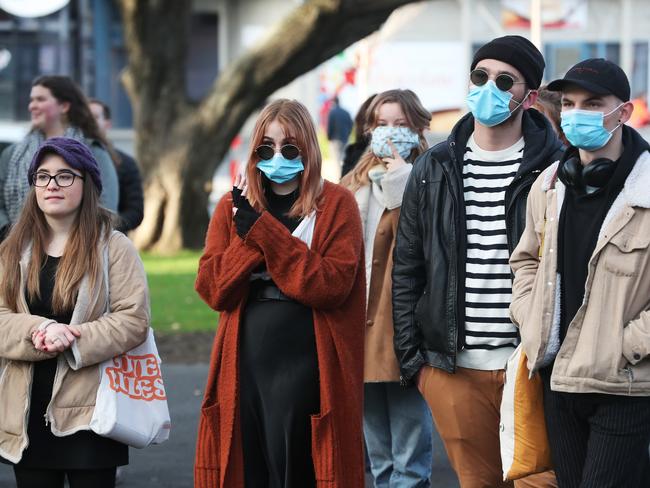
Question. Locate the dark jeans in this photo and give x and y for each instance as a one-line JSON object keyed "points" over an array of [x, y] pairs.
{"points": [[52, 478], [598, 440]]}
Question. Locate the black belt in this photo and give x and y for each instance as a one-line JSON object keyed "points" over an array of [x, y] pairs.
{"points": [[269, 292]]}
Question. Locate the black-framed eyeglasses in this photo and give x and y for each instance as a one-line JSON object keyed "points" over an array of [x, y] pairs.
{"points": [[503, 81], [266, 151], [63, 179]]}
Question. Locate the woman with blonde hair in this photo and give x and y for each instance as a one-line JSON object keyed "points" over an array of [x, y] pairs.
{"points": [[397, 421], [283, 263], [73, 294]]}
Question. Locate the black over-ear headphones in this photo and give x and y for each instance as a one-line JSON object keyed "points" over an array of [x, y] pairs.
{"points": [[596, 174]]}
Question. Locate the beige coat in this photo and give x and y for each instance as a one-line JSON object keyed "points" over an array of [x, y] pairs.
{"points": [[379, 207], [103, 336], [607, 346]]}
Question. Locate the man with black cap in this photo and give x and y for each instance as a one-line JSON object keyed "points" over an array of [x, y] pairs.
{"points": [[581, 293], [463, 213]]}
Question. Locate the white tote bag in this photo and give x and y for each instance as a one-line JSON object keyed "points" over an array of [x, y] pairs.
{"points": [[131, 405]]}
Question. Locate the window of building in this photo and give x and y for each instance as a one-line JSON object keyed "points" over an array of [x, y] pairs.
{"points": [[29, 48], [203, 57], [560, 56]]}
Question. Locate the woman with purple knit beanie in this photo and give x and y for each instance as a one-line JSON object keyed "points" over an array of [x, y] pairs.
{"points": [[73, 294]]}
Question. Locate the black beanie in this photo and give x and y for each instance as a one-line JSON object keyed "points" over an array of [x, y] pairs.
{"points": [[517, 51]]}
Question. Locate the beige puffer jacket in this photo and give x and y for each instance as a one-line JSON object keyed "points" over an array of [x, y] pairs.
{"points": [[103, 336]]}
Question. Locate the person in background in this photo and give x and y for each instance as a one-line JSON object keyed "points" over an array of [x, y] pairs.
{"points": [[283, 264], [462, 215], [58, 108], [396, 421], [58, 321], [131, 201], [550, 104], [582, 285], [130, 205], [339, 126], [640, 116], [354, 150]]}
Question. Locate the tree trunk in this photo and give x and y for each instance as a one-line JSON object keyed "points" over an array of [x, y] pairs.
{"points": [[180, 146], [159, 230]]}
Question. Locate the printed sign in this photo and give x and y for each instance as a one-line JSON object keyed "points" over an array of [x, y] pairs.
{"points": [[138, 377], [556, 14]]}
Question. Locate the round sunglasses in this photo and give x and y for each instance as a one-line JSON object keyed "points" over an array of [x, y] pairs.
{"points": [[503, 81], [266, 151]]}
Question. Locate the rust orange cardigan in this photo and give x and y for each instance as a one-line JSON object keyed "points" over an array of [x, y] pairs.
{"points": [[329, 278]]}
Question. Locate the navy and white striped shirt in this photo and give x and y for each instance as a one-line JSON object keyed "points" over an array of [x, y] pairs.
{"points": [[490, 335]]}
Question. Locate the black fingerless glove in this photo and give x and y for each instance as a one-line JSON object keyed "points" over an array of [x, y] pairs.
{"points": [[246, 215], [236, 196]]}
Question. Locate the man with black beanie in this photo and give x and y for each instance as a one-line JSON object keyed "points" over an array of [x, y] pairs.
{"points": [[462, 215], [581, 293]]}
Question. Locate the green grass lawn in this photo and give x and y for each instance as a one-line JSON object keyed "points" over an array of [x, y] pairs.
{"points": [[175, 306]]}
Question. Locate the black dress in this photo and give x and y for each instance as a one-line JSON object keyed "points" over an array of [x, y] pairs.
{"points": [[278, 377], [81, 450]]}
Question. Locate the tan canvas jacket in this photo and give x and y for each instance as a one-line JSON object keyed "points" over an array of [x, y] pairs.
{"points": [[103, 336], [607, 346], [379, 208]]}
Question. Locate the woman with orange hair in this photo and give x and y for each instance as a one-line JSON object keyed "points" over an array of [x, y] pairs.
{"points": [[283, 263]]}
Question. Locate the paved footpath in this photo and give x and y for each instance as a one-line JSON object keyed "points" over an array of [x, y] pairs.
{"points": [[170, 465]]}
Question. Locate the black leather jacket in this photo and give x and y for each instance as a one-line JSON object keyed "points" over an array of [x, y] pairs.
{"points": [[430, 250]]}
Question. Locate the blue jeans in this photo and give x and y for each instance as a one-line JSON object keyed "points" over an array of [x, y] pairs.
{"points": [[397, 426]]}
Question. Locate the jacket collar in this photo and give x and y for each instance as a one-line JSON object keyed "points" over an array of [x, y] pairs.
{"points": [[635, 190], [634, 193], [550, 180]]}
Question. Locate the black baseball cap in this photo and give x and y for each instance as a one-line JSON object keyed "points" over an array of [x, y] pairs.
{"points": [[598, 76]]}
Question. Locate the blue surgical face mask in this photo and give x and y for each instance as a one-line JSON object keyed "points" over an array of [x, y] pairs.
{"points": [[489, 105], [403, 138], [280, 169], [585, 130]]}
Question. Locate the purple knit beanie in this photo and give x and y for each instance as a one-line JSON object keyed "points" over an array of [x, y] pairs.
{"points": [[73, 152]]}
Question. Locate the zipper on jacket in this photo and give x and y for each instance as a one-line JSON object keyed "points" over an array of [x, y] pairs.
{"points": [[509, 201], [4, 372], [528, 176], [459, 343], [23, 305], [55, 390], [630, 379], [27, 409]]}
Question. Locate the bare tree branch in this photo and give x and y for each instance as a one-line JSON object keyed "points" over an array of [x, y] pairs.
{"points": [[180, 146], [310, 35]]}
